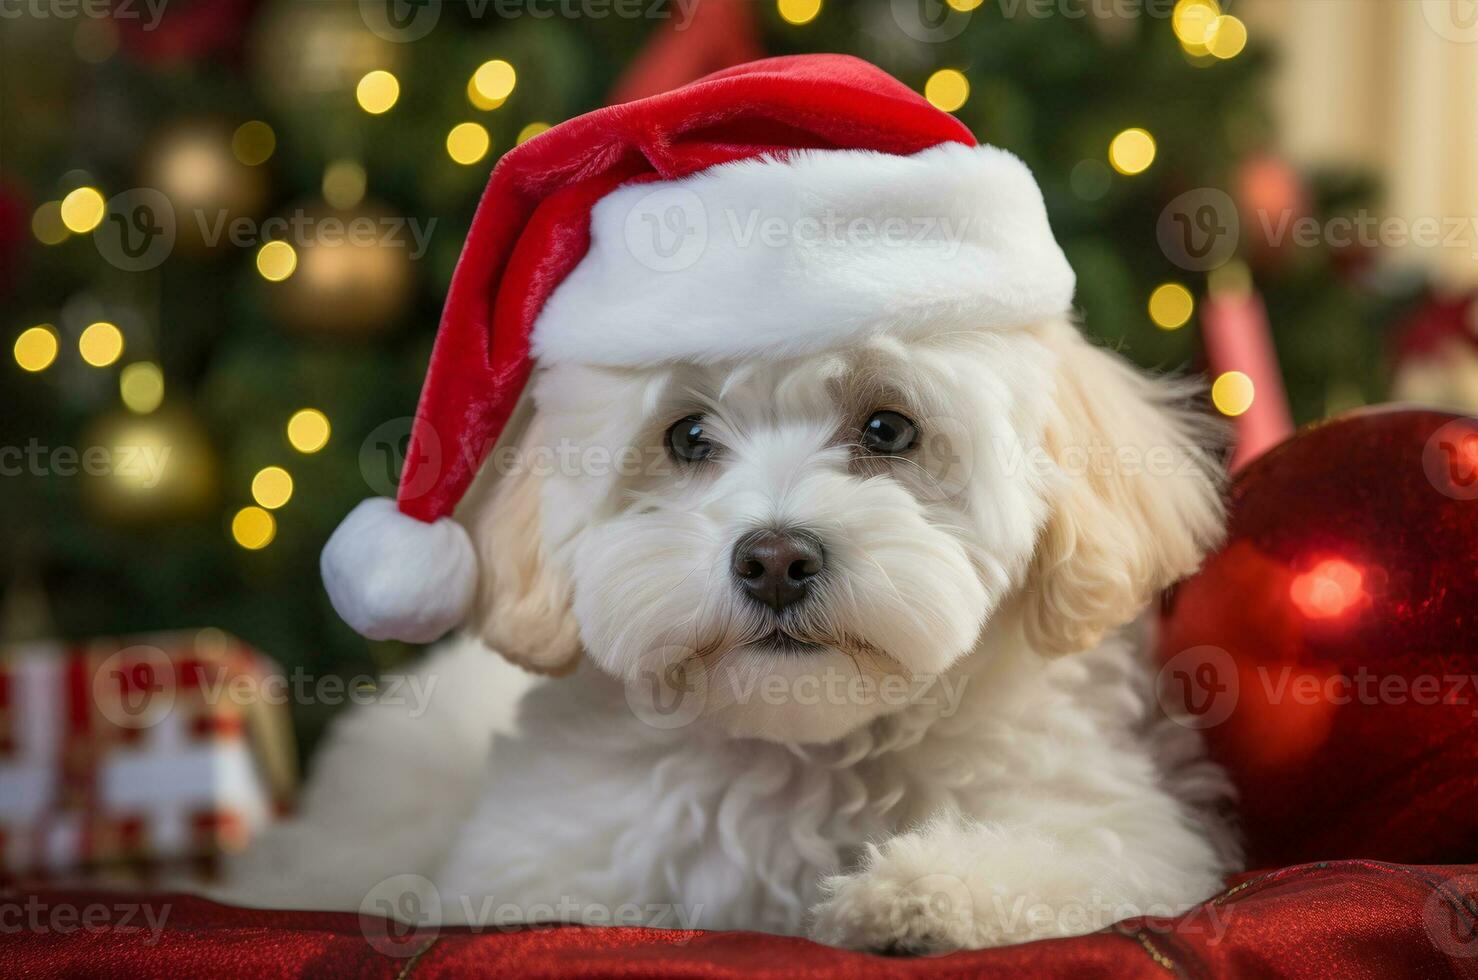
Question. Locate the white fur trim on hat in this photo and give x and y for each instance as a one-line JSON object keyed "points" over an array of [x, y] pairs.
{"points": [[788, 256], [393, 577]]}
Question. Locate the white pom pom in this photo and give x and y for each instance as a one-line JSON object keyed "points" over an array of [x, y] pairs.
{"points": [[393, 577]]}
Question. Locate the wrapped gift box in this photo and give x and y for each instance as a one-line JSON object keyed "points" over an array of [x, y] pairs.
{"points": [[138, 757]]}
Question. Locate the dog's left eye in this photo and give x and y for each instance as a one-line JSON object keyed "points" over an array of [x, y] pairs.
{"points": [[889, 433], [687, 441]]}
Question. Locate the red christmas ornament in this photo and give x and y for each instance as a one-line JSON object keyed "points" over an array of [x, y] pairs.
{"points": [[1272, 199], [1435, 353], [719, 35], [1330, 650], [13, 213], [1439, 323], [190, 33]]}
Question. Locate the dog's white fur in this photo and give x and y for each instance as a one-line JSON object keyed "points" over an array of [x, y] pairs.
{"points": [[974, 757]]}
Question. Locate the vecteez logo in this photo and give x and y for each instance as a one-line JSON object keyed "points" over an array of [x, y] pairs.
{"points": [[667, 229], [138, 230], [400, 21]]}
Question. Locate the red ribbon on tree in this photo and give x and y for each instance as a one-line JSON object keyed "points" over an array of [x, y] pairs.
{"points": [[1238, 337]]}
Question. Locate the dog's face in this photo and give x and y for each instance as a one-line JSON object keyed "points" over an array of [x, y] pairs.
{"points": [[803, 545]]}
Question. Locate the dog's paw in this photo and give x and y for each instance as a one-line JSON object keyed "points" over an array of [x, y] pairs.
{"points": [[952, 885], [885, 912]]}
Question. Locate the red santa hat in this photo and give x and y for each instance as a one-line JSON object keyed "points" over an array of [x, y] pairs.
{"points": [[780, 207]]}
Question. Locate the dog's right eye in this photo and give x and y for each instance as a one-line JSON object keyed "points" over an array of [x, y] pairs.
{"points": [[686, 442]]}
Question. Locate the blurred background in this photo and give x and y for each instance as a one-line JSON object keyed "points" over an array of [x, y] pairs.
{"points": [[227, 226]]}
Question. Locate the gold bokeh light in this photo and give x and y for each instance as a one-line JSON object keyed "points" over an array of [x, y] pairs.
{"points": [[101, 344], [1232, 393], [798, 12], [377, 91], [272, 487], [276, 261], [531, 130], [947, 89], [1132, 151], [141, 386], [344, 183], [1226, 37], [468, 143], [47, 224], [253, 143], [82, 210], [493, 82], [36, 348], [1171, 306], [1191, 21], [253, 528], [308, 430]]}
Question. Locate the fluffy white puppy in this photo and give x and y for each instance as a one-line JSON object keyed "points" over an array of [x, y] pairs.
{"points": [[843, 655]]}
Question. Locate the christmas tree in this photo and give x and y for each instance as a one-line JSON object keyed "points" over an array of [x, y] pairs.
{"points": [[226, 229]]}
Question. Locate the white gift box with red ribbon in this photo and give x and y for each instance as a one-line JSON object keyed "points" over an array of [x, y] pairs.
{"points": [[118, 756]]}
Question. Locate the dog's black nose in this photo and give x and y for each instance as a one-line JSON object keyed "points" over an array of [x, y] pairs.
{"points": [[778, 567]]}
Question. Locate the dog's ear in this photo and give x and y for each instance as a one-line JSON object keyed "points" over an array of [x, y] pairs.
{"points": [[1139, 500], [522, 608]]}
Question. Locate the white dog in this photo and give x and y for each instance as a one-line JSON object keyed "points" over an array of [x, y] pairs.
{"points": [[844, 654]]}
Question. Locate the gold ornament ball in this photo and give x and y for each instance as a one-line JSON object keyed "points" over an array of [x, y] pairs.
{"points": [[307, 54], [141, 469], [354, 273], [193, 165]]}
